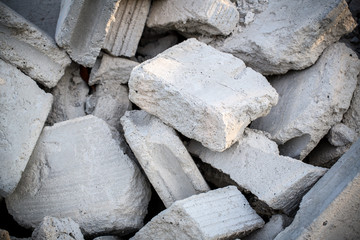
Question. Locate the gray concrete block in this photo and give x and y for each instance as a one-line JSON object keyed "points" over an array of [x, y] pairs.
{"points": [[341, 135]]}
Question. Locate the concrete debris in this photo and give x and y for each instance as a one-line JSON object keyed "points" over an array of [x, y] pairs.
{"points": [[249, 8], [160, 44], [341, 135], [23, 109], [205, 94], [331, 209], [126, 27], [283, 180], [77, 170], [29, 49], [219, 214], [352, 116], [312, 101], [209, 17], [4, 235]]}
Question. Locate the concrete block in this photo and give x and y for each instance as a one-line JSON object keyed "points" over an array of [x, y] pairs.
{"points": [[126, 27], [28, 48], [78, 170], [82, 26], [272, 45], [219, 214], [312, 101], [23, 109], [164, 158], [331, 209], [52, 228], [283, 180], [341, 135], [209, 17], [205, 94], [352, 116]]}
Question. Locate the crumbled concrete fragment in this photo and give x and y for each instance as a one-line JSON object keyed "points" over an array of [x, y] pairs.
{"points": [[52, 228], [164, 158], [248, 8], [214, 17], [126, 27], [341, 135], [331, 209], [205, 94], [78, 170], [352, 116], [272, 45], [23, 109], [218, 214], [312, 101], [29, 49], [283, 180], [82, 27], [4, 235]]}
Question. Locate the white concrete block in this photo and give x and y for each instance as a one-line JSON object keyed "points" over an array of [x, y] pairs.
{"points": [[312, 101], [205, 94], [78, 170], [341, 135], [28, 48], [23, 109], [219, 214]]}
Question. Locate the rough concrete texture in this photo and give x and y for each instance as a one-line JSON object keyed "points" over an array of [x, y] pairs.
{"points": [[341, 135], [218, 214], [283, 180], [164, 158], [249, 8], [82, 27], [77, 170], [126, 27], [29, 49], [214, 17], [4, 235], [312, 101], [205, 94], [52, 228], [289, 35], [23, 110], [352, 116], [331, 209]]}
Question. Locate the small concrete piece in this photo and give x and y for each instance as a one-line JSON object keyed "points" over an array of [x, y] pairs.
{"points": [[282, 182], [78, 170], [23, 109], [4, 235], [219, 214], [341, 135], [52, 228], [210, 17], [29, 49], [352, 116], [312, 101], [164, 158], [205, 94], [331, 209], [126, 27]]}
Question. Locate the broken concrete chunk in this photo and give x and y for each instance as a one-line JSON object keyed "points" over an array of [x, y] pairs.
{"points": [[23, 109], [272, 45], [4, 235], [312, 101], [164, 158], [52, 228], [283, 180], [126, 27], [219, 214], [29, 49], [249, 8], [331, 209], [82, 26], [205, 94], [352, 116], [77, 170], [214, 17], [341, 135]]}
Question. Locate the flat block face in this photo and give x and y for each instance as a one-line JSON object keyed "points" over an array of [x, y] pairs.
{"points": [[204, 94], [23, 110], [162, 155], [78, 170]]}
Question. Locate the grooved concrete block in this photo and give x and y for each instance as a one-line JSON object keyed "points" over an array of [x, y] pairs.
{"points": [[218, 214], [205, 94], [164, 158], [341, 135], [126, 27], [78, 170], [29, 49], [289, 34], [214, 17], [331, 209], [253, 163], [23, 110], [312, 101]]}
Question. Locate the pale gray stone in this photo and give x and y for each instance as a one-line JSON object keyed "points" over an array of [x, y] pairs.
{"points": [[352, 116], [341, 135]]}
